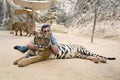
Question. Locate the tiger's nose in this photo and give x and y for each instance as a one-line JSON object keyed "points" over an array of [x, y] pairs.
{"points": [[41, 46]]}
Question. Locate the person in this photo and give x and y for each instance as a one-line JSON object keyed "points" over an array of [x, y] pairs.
{"points": [[46, 30]]}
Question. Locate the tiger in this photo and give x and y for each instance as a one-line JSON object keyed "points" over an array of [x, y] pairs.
{"points": [[48, 18], [66, 51], [21, 26], [22, 11]]}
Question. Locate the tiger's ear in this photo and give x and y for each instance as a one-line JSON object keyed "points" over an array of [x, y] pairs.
{"points": [[48, 36], [40, 31], [35, 32]]}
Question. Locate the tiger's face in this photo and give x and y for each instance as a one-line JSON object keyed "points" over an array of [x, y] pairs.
{"points": [[14, 27], [42, 40]]}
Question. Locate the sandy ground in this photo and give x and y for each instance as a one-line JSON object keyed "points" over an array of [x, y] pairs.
{"points": [[62, 69]]}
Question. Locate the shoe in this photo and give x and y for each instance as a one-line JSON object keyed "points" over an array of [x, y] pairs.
{"points": [[23, 49], [16, 47]]}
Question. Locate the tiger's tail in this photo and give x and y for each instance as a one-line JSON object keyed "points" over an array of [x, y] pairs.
{"points": [[86, 52], [110, 58], [107, 58]]}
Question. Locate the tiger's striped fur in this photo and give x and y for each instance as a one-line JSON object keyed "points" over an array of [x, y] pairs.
{"points": [[65, 52], [77, 51], [22, 11], [22, 26]]}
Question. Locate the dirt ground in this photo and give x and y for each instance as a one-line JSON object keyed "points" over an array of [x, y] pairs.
{"points": [[62, 69]]}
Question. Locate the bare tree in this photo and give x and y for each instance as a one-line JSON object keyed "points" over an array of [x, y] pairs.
{"points": [[95, 16]]}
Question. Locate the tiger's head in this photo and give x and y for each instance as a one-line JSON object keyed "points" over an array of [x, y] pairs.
{"points": [[41, 40], [14, 27]]}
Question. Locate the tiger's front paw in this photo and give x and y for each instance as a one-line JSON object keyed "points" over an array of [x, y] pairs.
{"points": [[23, 63], [102, 60], [15, 62], [95, 60]]}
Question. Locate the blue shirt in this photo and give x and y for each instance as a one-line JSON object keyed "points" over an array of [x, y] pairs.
{"points": [[53, 40]]}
